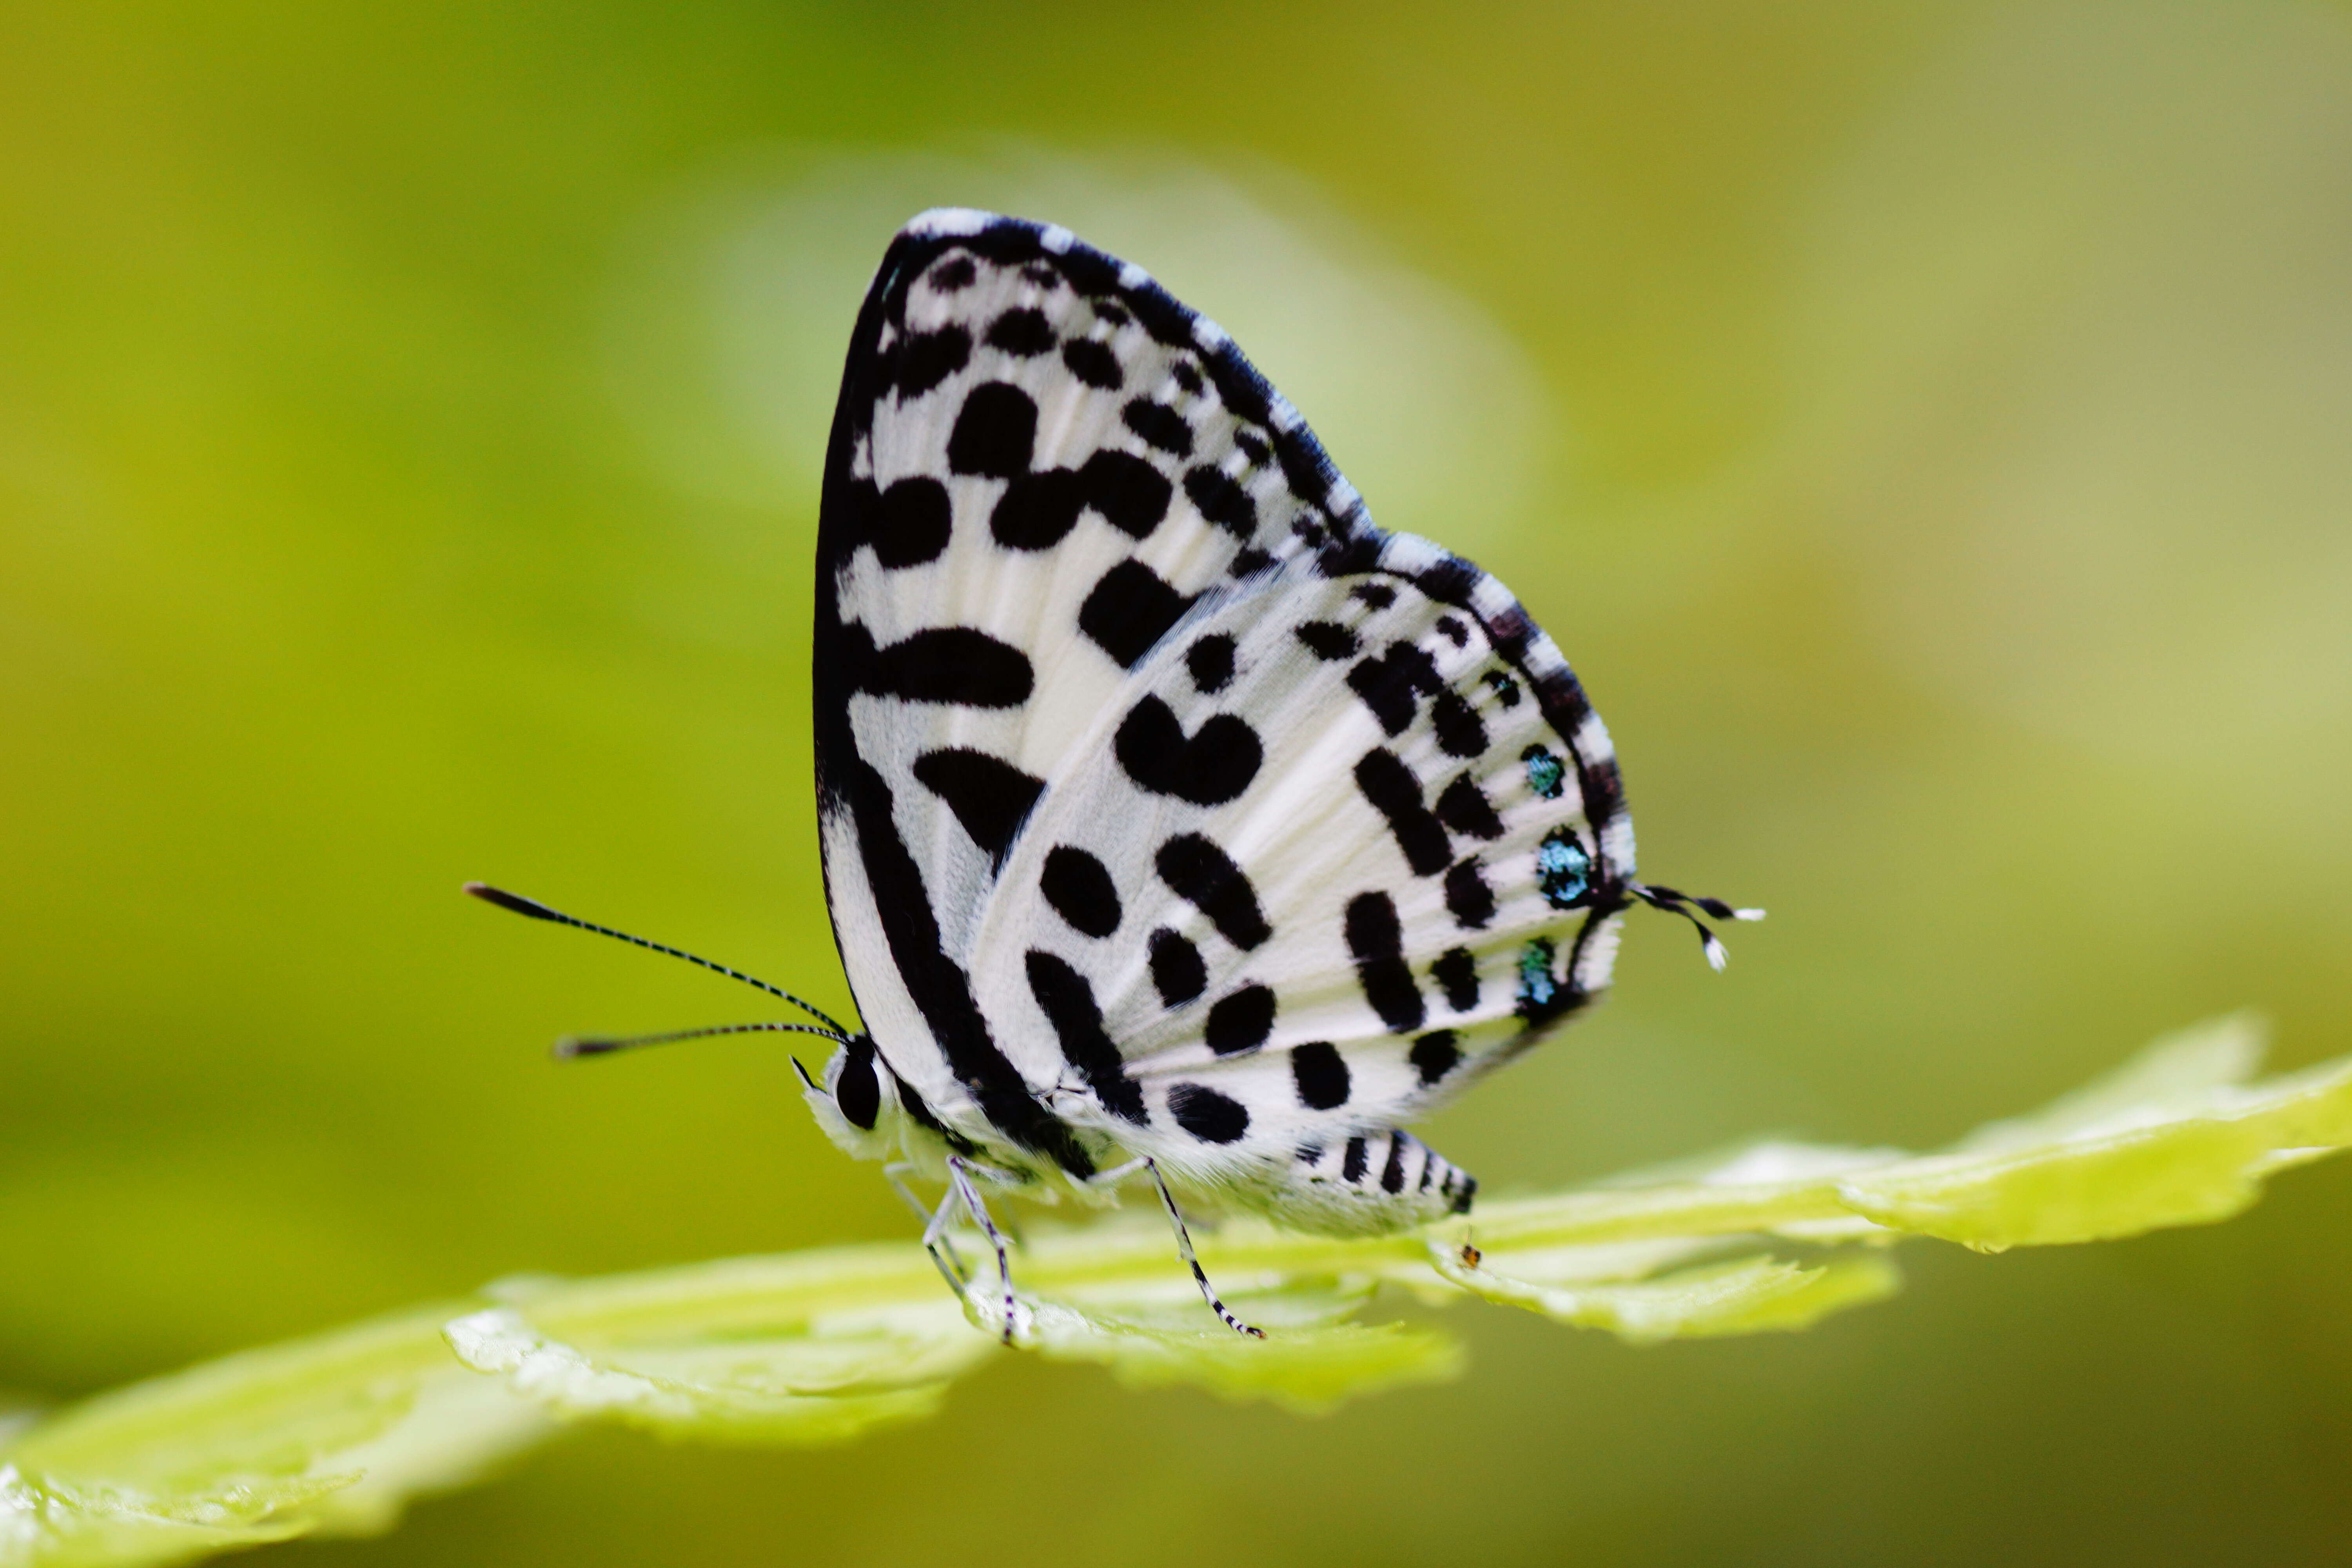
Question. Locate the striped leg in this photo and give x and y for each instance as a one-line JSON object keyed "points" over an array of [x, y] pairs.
{"points": [[1192, 1262], [935, 1238], [959, 1186]]}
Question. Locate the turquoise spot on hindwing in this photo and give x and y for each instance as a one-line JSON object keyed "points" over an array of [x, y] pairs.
{"points": [[1563, 869], [1537, 987], [1545, 772]]}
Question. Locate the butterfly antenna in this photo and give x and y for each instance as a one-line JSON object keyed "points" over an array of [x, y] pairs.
{"points": [[606, 1044], [1690, 909], [535, 910]]}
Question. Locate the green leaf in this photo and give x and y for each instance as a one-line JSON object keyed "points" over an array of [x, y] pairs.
{"points": [[1312, 1359], [2098, 1185], [801, 1350], [334, 1435], [1754, 1294], [331, 1434], [799, 1391]]}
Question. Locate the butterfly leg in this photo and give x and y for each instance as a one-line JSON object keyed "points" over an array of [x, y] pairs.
{"points": [[935, 1238], [961, 1187], [1118, 1174], [1191, 1261]]}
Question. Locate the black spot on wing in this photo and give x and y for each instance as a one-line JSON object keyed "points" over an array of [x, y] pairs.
{"points": [[1160, 425], [996, 430], [1037, 510], [1452, 630], [1509, 631], [1168, 322], [1506, 690], [1252, 447], [1178, 972], [1089, 271], [1210, 662], [1221, 501], [1460, 733], [1079, 888], [1202, 876], [990, 796], [1131, 495], [1452, 580], [1467, 897], [1458, 972], [1395, 794], [1328, 639], [1350, 554], [1093, 363], [927, 359], [1069, 1005], [957, 665], [1210, 766], [1305, 470], [1375, 596], [1024, 332], [1211, 1116], [1391, 684], [1377, 942], [910, 522], [1463, 806], [1129, 610], [1322, 1075], [956, 272], [1434, 1054], [1604, 790], [1188, 375], [1240, 1021]]}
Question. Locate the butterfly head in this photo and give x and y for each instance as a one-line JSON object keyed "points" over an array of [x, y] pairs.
{"points": [[856, 1101]]}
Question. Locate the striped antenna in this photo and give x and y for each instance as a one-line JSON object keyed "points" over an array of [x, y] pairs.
{"points": [[533, 909], [1690, 909], [572, 1045]]}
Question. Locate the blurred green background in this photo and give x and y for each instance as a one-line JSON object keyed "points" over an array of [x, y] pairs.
{"points": [[1924, 426]]}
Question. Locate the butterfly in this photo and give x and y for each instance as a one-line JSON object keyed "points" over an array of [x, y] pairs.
{"points": [[1178, 822]]}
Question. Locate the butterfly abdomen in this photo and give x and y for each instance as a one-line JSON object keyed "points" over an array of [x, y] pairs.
{"points": [[1369, 1184]]}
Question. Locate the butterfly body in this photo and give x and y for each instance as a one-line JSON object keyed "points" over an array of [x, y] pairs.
{"points": [[1169, 808]]}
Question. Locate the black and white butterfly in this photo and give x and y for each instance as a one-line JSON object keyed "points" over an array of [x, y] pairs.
{"points": [[1177, 821]]}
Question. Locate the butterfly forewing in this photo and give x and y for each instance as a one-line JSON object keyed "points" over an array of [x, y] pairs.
{"points": [[1170, 807]]}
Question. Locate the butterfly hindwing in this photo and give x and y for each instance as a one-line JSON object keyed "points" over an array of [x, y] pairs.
{"points": [[1170, 807], [1403, 891]]}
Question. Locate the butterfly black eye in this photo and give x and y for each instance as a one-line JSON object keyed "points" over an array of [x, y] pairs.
{"points": [[858, 1092]]}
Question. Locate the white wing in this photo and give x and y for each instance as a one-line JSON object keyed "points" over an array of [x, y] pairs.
{"points": [[1405, 890], [1168, 804]]}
